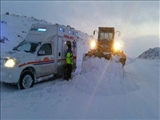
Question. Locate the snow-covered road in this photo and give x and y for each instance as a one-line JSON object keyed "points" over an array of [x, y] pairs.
{"points": [[79, 99], [146, 74]]}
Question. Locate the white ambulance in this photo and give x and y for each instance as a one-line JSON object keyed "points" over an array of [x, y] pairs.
{"points": [[40, 56]]}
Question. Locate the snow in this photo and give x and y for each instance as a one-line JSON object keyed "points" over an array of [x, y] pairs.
{"points": [[152, 53], [102, 90], [15, 28]]}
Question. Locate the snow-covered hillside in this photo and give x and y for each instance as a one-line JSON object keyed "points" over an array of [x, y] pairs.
{"points": [[152, 53], [14, 28], [102, 89]]}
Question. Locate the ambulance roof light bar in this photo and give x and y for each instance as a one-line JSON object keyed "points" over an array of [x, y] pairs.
{"points": [[41, 29]]}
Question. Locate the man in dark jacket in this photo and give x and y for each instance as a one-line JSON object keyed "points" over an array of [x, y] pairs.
{"points": [[123, 59], [69, 62]]}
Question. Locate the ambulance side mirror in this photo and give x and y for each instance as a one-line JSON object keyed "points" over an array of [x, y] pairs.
{"points": [[41, 52]]}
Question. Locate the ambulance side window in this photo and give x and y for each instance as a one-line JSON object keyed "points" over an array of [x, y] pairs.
{"points": [[46, 48]]}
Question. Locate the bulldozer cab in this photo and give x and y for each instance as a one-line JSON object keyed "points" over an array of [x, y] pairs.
{"points": [[105, 39], [106, 34], [105, 45]]}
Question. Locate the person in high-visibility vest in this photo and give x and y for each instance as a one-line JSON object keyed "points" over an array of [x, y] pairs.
{"points": [[69, 62]]}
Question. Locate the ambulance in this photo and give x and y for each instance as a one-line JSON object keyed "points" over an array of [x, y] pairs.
{"points": [[40, 56]]}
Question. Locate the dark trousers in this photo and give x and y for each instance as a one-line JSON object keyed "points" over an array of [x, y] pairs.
{"points": [[123, 61], [69, 70]]}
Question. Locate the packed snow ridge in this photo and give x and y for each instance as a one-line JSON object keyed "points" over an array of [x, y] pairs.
{"points": [[106, 77], [152, 53]]}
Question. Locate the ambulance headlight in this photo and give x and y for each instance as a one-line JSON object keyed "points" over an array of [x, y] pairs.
{"points": [[93, 44], [11, 63]]}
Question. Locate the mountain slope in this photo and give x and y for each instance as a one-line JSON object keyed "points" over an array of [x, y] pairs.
{"points": [[14, 28], [152, 53]]}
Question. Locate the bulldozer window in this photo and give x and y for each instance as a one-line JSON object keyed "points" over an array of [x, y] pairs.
{"points": [[106, 36]]}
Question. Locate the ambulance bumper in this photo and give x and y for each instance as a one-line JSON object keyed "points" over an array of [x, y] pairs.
{"points": [[9, 75]]}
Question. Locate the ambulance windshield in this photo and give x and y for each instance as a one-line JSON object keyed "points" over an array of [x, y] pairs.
{"points": [[26, 46]]}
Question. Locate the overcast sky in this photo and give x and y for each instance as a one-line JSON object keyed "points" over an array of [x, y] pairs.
{"points": [[133, 19]]}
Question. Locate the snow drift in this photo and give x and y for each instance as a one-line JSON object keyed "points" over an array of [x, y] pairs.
{"points": [[103, 77]]}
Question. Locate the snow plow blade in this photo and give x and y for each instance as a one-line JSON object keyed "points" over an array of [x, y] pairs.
{"points": [[108, 56]]}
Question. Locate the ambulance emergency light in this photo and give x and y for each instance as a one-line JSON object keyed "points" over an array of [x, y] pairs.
{"points": [[39, 29], [60, 29]]}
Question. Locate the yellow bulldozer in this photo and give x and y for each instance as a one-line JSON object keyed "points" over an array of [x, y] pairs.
{"points": [[105, 45]]}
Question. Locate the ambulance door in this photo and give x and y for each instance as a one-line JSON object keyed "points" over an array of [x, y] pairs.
{"points": [[60, 54], [45, 60]]}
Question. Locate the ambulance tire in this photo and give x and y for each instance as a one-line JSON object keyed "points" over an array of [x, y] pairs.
{"points": [[26, 80]]}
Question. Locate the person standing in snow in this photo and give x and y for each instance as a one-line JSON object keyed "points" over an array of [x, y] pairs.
{"points": [[123, 59], [69, 62]]}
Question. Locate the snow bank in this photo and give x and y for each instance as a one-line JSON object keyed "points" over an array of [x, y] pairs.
{"points": [[103, 77]]}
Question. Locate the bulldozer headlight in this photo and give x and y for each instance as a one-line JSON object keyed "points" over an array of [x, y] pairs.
{"points": [[117, 46], [93, 44]]}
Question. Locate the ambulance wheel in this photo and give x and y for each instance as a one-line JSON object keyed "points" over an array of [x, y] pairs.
{"points": [[26, 80]]}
